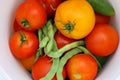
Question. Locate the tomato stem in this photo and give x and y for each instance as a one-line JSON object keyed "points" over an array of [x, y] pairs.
{"points": [[25, 23], [22, 38], [69, 26]]}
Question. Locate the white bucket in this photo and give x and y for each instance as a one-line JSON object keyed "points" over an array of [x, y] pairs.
{"points": [[10, 69]]}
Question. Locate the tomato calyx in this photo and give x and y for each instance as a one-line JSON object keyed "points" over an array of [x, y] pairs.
{"points": [[69, 26], [25, 23], [22, 38]]}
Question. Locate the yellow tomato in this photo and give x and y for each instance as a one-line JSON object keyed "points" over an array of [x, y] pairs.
{"points": [[75, 18]]}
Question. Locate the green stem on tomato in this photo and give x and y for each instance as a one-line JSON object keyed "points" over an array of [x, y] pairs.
{"points": [[22, 38], [69, 26], [25, 23]]}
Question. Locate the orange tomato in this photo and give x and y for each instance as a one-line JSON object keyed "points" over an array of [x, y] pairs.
{"points": [[28, 62], [75, 18], [82, 67]]}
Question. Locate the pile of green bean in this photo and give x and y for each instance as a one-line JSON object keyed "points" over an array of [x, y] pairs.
{"points": [[48, 46]]}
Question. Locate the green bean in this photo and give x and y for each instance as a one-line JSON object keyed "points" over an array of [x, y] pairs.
{"points": [[50, 30], [55, 48], [38, 54], [45, 30], [63, 61], [88, 52], [39, 51], [46, 38], [56, 54], [52, 71], [44, 42], [54, 28], [51, 37], [40, 35], [49, 46]]}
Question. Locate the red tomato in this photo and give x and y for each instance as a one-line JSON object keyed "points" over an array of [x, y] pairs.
{"points": [[16, 26], [103, 40], [31, 15], [101, 18], [82, 67], [28, 62], [50, 6], [23, 44], [62, 40], [42, 67]]}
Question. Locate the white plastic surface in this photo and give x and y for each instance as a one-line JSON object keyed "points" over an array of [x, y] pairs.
{"points": [[10, 69], [112, 69]]}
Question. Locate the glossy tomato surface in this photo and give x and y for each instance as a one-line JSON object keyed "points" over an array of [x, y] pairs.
{"points": [[103, 40], [42, 67], [75, 19], [102, 19], [61, 40], [31, 15], [23, 44], [50, 6], [82, 67]]}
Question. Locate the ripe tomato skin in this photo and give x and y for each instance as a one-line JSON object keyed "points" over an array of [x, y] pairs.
{"points": [[42, 67], [23, 44], [50, 6], [31, 15], [101, 19], [103, 40], [81, 67], [75, 19], [28, 62], [61, 40], [16, 26]]}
